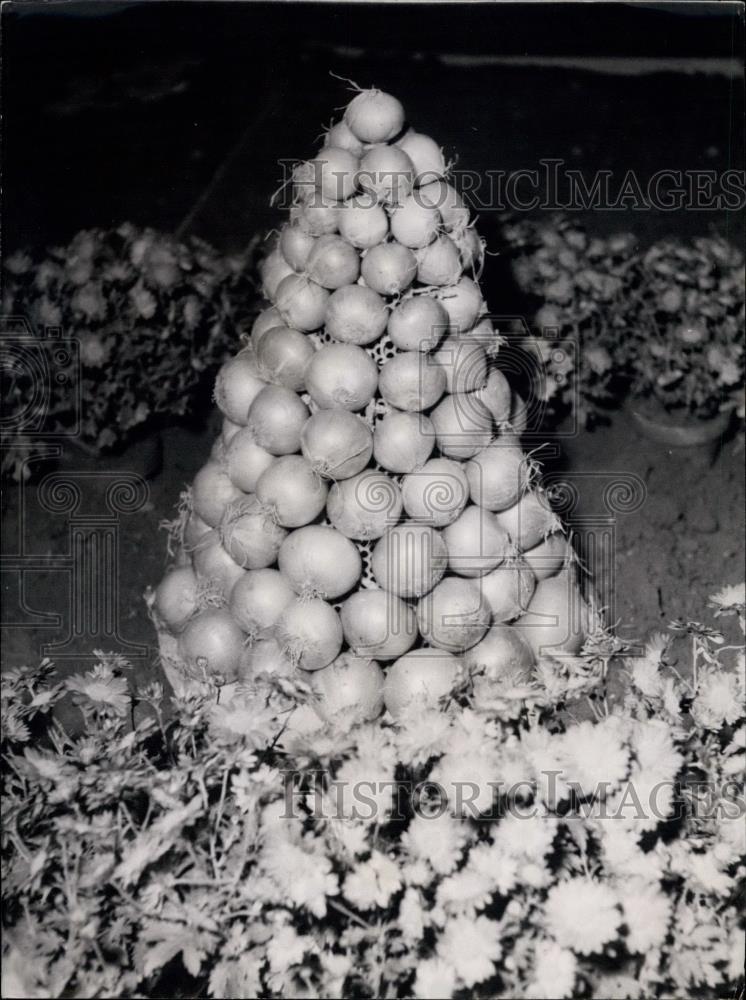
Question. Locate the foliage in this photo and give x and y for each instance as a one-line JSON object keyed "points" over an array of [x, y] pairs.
{"points": [[178, 854], [150, 316], [664, 324]]}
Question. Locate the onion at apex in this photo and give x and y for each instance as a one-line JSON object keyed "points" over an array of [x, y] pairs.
{"points": [[409, 559], [320, 561], [374, 116], [419, 680], [378, 624]]}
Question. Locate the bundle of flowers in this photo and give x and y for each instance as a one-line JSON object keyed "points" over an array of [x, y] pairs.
{"points": [[487, 846], [150, 316], [663, 324]]}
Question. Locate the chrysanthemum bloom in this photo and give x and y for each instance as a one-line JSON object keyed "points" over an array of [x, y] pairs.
{"points": [[305, 878], [554, 972], [719, 700], [373, 883], [469, 780], [596, 758], [471, 947], [582, 915], [438, 840], [435, 978], [647, 914], [102, 687]]}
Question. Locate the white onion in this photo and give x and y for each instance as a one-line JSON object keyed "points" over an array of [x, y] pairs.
{"points": [[272, 270], [266, 656], [301, 302], [463, 425], [409, 560], [317, 217], [364, 506], [343, 137], [341, 375], [363, 222], [529, 521], [475, 541], [439, 262], [411, 381], [549, 556], [378, 624], [502, 661], [556, 618], [237, 386], [194, 529], [497, 476], [414, 224], [295, 245], [496, 396], [250, 536], [282, 357], [425, 154], [471, 249], [258, 600], [387, 173], [389, 268], [334, 170], [320, 561], [417, 323], [337, 443], [228, 431], [214, 565], [402, 442], [454, 615], [212, 491], [266, 319], [419, 680], [374, 116], [245, 460], [310, 633], [508, 589], [450, 204], [437, 493], [211, 645], [349, 690], [356, 315], [276, 418], [464, 364], [176, 597], [333, 263], [291, 491], [303, 188], [463, 302]]}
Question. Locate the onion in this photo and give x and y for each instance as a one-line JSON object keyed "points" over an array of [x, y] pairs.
{"points": [[272, 270], [316, 217], [549, 556], [437, 493], [463, 425], [503, 660], [508, 589], [425, 154], [556, 616], [176, 597], [374, 116], [291, 491], [356, 315], [463, 302], [237, 386], [389, 268], [378, 624], [310, 633], [365, 506], [414, 224], [282, 357], [417, 323], [334, 171], [529, 521], [341, 136], [333, 263], [464, 364], [349, 691], [214, 565], [438, 263], [337, 443], [496, 396], [363, 222], [303, 178], [519, 414], [228, 431], [476, 543], [266, 319], [212, 491], [320, 561], [409, 560], [387, 173], [245, 460], [450, 204], [341, 375], [295, 245], [471, 249], [212, 645], [266, 656], [454, 616], [419, 679], [301, 302], [402, 442], [276, 418], [411, 381], [497, 476], [258, 600], [194, 529], [250, 535]]}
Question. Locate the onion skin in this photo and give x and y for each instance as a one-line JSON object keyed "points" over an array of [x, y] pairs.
{"points": [[374, 116], [301, 303], [335, 169], [419, 679], [529, 521], [500, 662], [496, 396], [337, 443], [413, 224], [556, 619], [356, 315], [463, 425], [362, 222], [258, 600], [194, 530], [364, 506], [342, 136], [333, 263], [341, 375], [410, 381], [476, 543], [211, 645], [426, 156], [349, 691], [310, 633], [464, 364], [387, 173], [508, 589], [213, 564], [498, 476], [291, 490], [276, 419], [236, 387], [449, 203], [250, 536], [548, 557], [378, 624], [245, 460], [176, 597], [295, 245], [402, 442], [464, 304], [409, 560], [437, 493], [389, 268], [272, 270], [265, 656], [418, 323], [319, 560], [454, 616], [283, 355], [212, 491], [439, 263], [266, 319]]}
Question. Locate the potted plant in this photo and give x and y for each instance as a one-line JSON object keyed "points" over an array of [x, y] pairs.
{"points": [[145, 317]]}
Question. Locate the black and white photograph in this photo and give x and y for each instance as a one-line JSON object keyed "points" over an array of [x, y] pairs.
{"points": [[373, 430]]}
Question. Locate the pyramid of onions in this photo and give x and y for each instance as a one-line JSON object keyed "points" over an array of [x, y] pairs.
{"points": [[367, 520]]}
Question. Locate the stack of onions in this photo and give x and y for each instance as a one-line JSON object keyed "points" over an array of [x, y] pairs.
{"points": [[368, 518]]}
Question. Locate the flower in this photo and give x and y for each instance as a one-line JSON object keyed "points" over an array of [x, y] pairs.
{"points": [[598, 359], [554, 972], [647, 914], [411, 917], [435, 978], [470, 948], [595, 755], [582, 915], [525, 837], [373, 883], [94, 351], [719, 699], [733, 596], [144, 301], [102, 687], [89, 301], [498, 869], [438, 839], [305, 877], [422, 735], [286, 948], [463, 893], [469, 781]]}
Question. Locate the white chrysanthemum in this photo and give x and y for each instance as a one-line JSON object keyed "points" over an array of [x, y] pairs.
{"points": [[647, 914], [438, 840], [730, 597], [463, 893], [554, 972], [347, 837], [582, 915], [306, 879], [373, 883], [471, 947], [286, 948], [422, 736], [411, 918], [655, 750], [435, 978], [705, 870], [470, 781], [499, 870], [542, 753], [527, 838], [719, 700], [472, 732], [645, 674], [596, 758], [622, 854], [363, 789]]}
